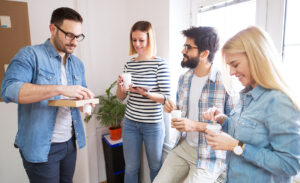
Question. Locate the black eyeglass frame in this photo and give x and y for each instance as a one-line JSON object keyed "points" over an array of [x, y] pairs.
{"points": [[70, 36], [188, 47]]}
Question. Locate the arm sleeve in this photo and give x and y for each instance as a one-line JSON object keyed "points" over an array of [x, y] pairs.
{"points": [[282, 121], [180, 82], [19, 71], [227, 109], [163, 79], [83, 76]]}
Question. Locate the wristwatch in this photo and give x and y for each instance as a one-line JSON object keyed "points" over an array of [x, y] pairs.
{"points": [[238, 150]]}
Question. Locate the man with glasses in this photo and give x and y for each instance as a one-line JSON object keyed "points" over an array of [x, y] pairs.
{"points": [[46, 135], [200, 88]]}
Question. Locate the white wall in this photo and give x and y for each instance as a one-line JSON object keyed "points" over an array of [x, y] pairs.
{"points": [[104, 53], [11, 168]]}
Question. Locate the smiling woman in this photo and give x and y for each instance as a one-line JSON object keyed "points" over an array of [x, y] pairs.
{"points": [[239, 67], [262, 131], [143, 118]]}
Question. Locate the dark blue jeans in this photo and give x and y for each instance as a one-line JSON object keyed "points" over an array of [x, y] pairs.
{"points": [[59, 168]]}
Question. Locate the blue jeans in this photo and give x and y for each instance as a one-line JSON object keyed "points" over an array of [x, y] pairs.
{"points": [[59, 168], [134, 133]]}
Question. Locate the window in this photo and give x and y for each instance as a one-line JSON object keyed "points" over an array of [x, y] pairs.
{"points": [[228, 18], [291, 43]]}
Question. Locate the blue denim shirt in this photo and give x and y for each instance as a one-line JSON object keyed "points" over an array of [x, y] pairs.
{"points": [[40, 65], [269, 124]]}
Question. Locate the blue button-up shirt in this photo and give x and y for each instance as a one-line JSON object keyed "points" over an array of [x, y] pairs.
{"points": [[40, 65], [269, 124]]}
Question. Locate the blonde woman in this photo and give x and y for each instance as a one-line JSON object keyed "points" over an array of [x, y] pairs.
{"points": [[263, 140], [143, 118]]}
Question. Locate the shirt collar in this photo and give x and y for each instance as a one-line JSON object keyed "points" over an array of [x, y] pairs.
{"points": [[51, 50], [212, 75], [255, 93]]}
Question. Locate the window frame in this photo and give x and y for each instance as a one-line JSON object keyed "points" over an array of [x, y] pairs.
{"points": [[270, 16]]}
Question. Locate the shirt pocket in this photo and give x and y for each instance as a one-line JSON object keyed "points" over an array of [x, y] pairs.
{"points": [[246, 130], [45, 77], [77, 79]]}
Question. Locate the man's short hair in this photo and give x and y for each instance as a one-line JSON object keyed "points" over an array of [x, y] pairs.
{"points": [[60, 14], [205, 38]]}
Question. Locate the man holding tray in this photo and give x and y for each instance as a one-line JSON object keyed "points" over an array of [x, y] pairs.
{"points": [[46, 134]]}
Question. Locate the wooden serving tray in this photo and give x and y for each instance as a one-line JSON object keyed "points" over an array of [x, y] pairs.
{"points": [[72, 102]]}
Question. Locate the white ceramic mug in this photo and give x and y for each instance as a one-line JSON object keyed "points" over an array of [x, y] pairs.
{"points": [[87, 109], [214, 127], [126, 80], [176, 114]]}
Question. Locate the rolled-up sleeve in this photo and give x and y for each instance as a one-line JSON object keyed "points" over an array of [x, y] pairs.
{"points": [[11, 92], [19, 71]]}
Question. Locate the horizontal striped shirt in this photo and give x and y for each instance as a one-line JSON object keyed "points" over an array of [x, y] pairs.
{"points": [[152, 74]]}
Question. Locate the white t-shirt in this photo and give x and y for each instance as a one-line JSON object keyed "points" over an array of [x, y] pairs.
{"points": [[63, 125], [193, 113]]}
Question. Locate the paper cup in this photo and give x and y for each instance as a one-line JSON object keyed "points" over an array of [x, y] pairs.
{"points": [[176, 114], [126, 80], [214, 127]]}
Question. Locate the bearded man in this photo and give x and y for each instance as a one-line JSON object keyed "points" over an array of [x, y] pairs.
{"points": [[200, 88]]}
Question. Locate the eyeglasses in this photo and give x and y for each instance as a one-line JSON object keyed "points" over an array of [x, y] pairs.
{"points": [[188, 47], [70, 36]]}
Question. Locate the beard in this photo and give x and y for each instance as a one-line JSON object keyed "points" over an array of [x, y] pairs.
{"points": [[190, 62], [60, 46]]}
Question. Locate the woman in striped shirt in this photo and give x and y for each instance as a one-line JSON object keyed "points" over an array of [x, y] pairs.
{"points": [[148, 91]]}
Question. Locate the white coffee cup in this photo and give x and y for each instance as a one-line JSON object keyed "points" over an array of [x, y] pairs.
{"points": [[176, 114], [214, 127], [126, 80], [87, 109]]}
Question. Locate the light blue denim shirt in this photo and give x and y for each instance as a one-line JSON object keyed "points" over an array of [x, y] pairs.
{"points": [[40, 65], [268, 123]]}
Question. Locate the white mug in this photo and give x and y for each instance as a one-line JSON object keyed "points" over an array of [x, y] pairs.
{"points": [[214, 127], [87, 109], [126, 80], [176, 114]]}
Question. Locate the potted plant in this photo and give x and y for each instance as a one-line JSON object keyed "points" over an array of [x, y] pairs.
{"points": [[110, 112]]}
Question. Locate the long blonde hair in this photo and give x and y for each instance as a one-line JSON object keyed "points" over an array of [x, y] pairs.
{"points": [[262, 56]]}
